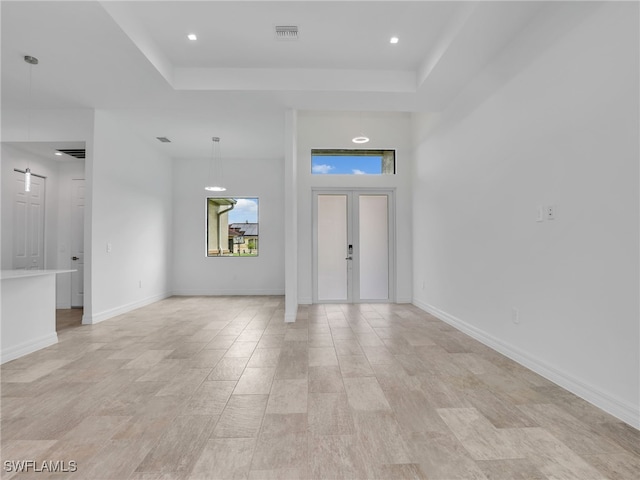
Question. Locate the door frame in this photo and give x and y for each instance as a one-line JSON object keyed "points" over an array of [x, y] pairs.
{"points": [[353, 233], [77, 276]]}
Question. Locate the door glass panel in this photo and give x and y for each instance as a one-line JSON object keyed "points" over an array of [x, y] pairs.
{"points": [[332, 241], [374, 247]]}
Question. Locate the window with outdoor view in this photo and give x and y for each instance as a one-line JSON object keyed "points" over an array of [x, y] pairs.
{"points": [[353, 162], [232, 227]]}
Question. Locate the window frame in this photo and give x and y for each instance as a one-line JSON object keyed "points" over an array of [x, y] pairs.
{"points": [[223, 252]]}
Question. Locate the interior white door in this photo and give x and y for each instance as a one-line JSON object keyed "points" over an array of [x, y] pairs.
{"points": [[352, 246], [77, 242], [28, 223]]}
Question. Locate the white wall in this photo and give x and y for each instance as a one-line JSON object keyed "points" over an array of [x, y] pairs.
{"points": [[196, 274], [562, 131], [335, 130], [131, 210], [57, 211], [47, 125]]}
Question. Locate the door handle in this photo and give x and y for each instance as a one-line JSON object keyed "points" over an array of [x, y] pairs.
{"points": [[349, 252], [75, 258]]}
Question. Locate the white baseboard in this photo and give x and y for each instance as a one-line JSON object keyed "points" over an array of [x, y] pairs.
{"points": [[290, 312], [309, 301], [114, 312], [232, 292], [619, 408], [26, 348]]}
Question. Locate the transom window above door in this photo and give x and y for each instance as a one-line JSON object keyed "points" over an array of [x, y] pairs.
{"points": [[353, 162]]}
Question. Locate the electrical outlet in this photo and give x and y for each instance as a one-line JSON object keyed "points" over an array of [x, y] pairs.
{"points": [[515, 315], [108, 247], [551, 212]]}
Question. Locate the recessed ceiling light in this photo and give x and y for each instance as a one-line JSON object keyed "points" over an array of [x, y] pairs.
{"points": [[393, 40], [192, 37], [360, 139], [58, 154]]}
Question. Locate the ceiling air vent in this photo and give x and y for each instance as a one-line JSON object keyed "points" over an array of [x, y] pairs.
{"points": [[287, 32], [75, 152], [164, 139]]}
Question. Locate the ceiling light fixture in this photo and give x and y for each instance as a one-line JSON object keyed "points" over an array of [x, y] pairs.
{"points": [[192, 36], [27, 180], [58, 154], [394, 40], [215, 168]]}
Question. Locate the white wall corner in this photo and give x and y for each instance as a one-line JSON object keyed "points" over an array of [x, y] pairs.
{"points": [[204, 292], [114, 312], [291, 215], [26, 348], [619, 408], [290, 317]]}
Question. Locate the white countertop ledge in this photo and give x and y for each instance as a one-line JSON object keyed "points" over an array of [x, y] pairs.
{"points": [[7, 274]]}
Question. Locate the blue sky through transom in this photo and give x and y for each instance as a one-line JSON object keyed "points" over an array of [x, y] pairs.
{"points": [[346, 164]]}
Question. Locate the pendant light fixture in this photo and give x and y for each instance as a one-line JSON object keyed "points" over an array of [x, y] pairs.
{"points": [[215, 168], [27, 173], [27, 180], [362, 138]]}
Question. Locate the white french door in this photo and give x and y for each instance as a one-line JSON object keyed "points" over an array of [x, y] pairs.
{"points": [[352, 246]]}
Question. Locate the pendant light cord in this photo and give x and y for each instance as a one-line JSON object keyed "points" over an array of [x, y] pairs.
{"points": [[31, 61], [211, 160], [29, 103]]}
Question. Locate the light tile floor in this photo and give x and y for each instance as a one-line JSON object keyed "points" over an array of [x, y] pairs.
{"points": [[219, 387]]}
